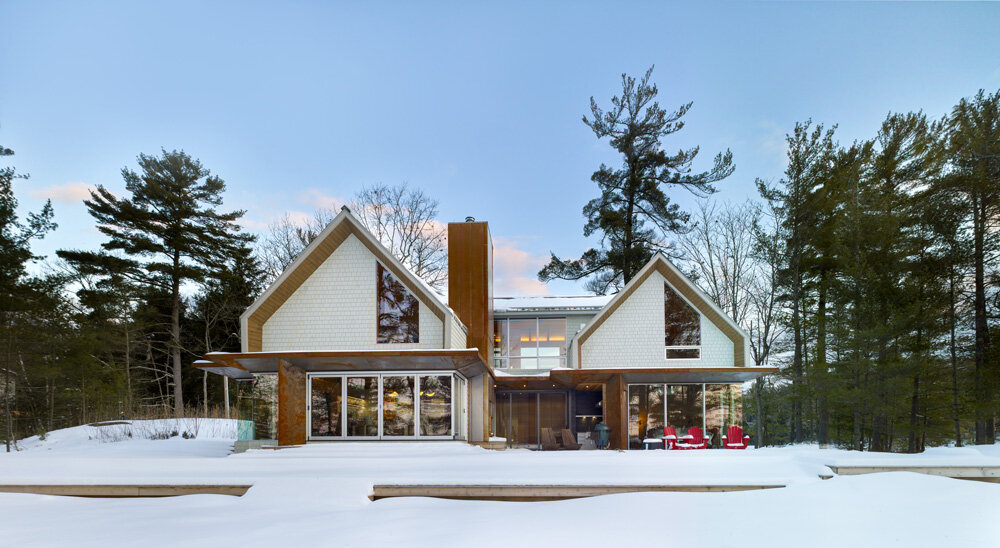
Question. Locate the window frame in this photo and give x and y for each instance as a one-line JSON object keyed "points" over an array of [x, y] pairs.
{"points": [[379, 269], [456, 406], [503, 361], [667, 348]]}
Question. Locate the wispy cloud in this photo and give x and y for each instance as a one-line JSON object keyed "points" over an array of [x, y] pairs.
{"points": [[515, 271], [320, 200], [69, 193]]}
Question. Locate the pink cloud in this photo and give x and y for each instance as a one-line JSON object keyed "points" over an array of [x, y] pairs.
{"points": [[69, 193], [515, 271], [319, 200]]}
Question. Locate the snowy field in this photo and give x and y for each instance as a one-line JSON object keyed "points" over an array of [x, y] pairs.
{"points": [[318, 494]]}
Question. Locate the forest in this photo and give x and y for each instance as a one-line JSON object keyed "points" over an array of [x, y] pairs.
{"points": [[868, 272]]}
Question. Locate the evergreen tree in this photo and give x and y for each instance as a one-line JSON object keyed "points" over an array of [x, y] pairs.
{"points": [[633, 215], [167, 233], [19, 294], [974, 159]]}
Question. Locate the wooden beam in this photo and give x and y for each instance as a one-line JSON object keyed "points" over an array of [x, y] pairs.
{"points": [[291, 404]]}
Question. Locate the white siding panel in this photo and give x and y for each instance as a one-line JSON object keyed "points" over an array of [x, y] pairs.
{"points": [[458, 335], [633, 336], [335, 309]]}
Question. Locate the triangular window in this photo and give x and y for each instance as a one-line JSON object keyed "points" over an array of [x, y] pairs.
{"points": [[398, 310], [683, 326]]}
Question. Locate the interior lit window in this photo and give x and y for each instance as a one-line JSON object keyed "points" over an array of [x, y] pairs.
{"points": [[398, 310], [683, 326]]}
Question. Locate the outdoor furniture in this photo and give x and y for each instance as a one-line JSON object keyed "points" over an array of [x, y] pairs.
{"points": [[669, 437], [694, 440], [734, 438], [653, 443], [569, 440], [549, 442]]}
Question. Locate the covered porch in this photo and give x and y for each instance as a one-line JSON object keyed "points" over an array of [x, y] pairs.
{"points": [[370, 394], [634, 403]]}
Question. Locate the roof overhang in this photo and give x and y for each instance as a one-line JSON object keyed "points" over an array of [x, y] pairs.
{"points": [[243, 366], [574, 378]]}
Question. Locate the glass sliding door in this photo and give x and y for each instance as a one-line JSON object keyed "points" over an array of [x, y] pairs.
{"points": [[326, 407], [398, 406], [645, 413], [362, 407], [435, 405], [685, 407], [387, 406]]}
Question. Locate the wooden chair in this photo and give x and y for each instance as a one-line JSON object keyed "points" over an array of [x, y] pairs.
{"points": [[669, 437], [569, 440], [549, 442], [694, 440], [734, 438]]}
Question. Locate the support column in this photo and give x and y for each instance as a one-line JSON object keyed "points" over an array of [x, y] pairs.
{"points": [[291, 404], [616, 411]]}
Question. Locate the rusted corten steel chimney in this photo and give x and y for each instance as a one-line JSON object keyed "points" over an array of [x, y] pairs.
{"points": [[470, 282]]}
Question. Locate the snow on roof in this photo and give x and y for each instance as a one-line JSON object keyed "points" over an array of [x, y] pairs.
{"points": [[550, 302]]}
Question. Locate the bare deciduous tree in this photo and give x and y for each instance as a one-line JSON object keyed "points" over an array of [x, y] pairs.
{"points": [[404, 219]]}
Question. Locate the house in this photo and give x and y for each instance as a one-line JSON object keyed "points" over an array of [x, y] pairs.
{"points": [[364, 350]]}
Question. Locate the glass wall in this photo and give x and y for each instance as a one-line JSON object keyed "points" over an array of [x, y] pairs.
{"points": [[362, 407], [711, 407], [326, 402], [398, 406], [685, 407], [387, 406], [435, 405], [645, 413], [522, 415], [529, 343]]}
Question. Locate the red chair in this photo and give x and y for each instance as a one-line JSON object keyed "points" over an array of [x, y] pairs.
{"points": [[694, 440], [734, 438], [669, 437]]}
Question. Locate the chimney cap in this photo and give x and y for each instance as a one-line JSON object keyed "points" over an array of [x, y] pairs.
{"points": [[470, 219]]}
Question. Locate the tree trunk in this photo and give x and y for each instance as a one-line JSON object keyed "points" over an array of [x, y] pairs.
{"points": [[954, 361], [175, 339], [204, 394], [822, 419], [981, 327], [758, 388]]}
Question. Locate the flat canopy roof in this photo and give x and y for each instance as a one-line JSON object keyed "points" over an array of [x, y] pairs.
{"points": [[573, 378], [243, 366]]}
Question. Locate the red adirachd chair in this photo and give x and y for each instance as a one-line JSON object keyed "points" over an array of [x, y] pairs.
{"points": [[734, 438], [669, 437], [694, 440]]}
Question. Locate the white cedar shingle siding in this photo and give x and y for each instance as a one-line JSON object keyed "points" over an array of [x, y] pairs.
{"points": [[633, 336], [335, 309], [458, 335]]}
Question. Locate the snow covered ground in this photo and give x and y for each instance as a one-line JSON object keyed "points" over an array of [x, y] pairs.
{"points": [[318, 494]]}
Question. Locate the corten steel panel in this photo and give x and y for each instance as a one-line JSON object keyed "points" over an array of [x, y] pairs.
{"points": [[616, 411], [291, 404], [470, 283]]}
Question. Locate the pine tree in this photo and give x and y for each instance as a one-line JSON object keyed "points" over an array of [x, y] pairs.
{"points": [[974, 159], [18, 292], [633, 215], [166, 233]]}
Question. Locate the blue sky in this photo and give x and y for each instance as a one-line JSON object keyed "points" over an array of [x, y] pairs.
{"points": [[299, 104]]}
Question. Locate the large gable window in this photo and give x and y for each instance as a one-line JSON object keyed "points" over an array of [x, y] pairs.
{"points": [[398, 310], [683, 326]]}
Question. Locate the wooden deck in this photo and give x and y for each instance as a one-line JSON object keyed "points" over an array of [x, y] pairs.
{"points": [[978, 473], [528, 493], [126, 491]]}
